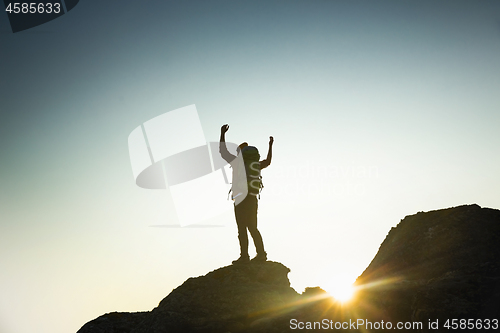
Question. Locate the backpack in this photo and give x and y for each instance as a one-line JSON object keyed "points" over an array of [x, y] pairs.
{"points": [[251, 159], [252, 179]]}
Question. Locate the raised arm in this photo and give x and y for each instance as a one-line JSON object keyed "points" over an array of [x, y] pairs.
{"points": [[222, 145], [265, 163]]}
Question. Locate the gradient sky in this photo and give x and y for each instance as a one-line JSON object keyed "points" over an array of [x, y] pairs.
{"points": [[379, 109]]}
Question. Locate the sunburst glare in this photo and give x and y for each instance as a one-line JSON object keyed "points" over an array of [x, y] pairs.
{"points": [[341, 288]]}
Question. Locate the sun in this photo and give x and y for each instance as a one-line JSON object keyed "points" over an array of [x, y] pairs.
{"points": [[340, 288], [342, 293]]}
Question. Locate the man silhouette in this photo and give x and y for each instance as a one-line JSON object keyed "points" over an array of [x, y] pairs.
{"points": [[245, 199]]}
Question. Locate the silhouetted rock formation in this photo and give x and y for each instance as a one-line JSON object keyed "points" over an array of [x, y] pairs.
{"points": [[237, 298], [441, 265]]}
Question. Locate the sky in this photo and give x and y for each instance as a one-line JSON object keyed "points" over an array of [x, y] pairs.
{"points": [[378, 109]]}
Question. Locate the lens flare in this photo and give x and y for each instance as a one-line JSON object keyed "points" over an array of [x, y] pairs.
{"points": [[342, 293], [341, 289]]}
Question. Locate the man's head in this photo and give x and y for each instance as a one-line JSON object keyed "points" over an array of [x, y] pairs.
{"points": [[240, 147]]}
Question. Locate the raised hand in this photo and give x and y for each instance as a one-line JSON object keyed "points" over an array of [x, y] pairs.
{"points": [[271, 140], [224, 128]]}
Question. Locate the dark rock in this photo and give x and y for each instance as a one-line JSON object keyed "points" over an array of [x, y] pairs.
{"points": [[114, 322], [440, 265], [238, 298]]}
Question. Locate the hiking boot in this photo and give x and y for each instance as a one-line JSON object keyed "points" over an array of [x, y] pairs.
{"points": [[261, 257], [241, 260]]}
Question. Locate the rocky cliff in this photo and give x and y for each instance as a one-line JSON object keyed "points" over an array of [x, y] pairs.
{"points": [[255, 297], [437, 265]]}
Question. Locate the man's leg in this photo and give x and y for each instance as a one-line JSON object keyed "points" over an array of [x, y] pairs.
{"points": [[240, 215], [252, 226]]}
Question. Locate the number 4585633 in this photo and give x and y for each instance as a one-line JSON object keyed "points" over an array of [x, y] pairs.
{"points": [[471, 324], [32, 8]]}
